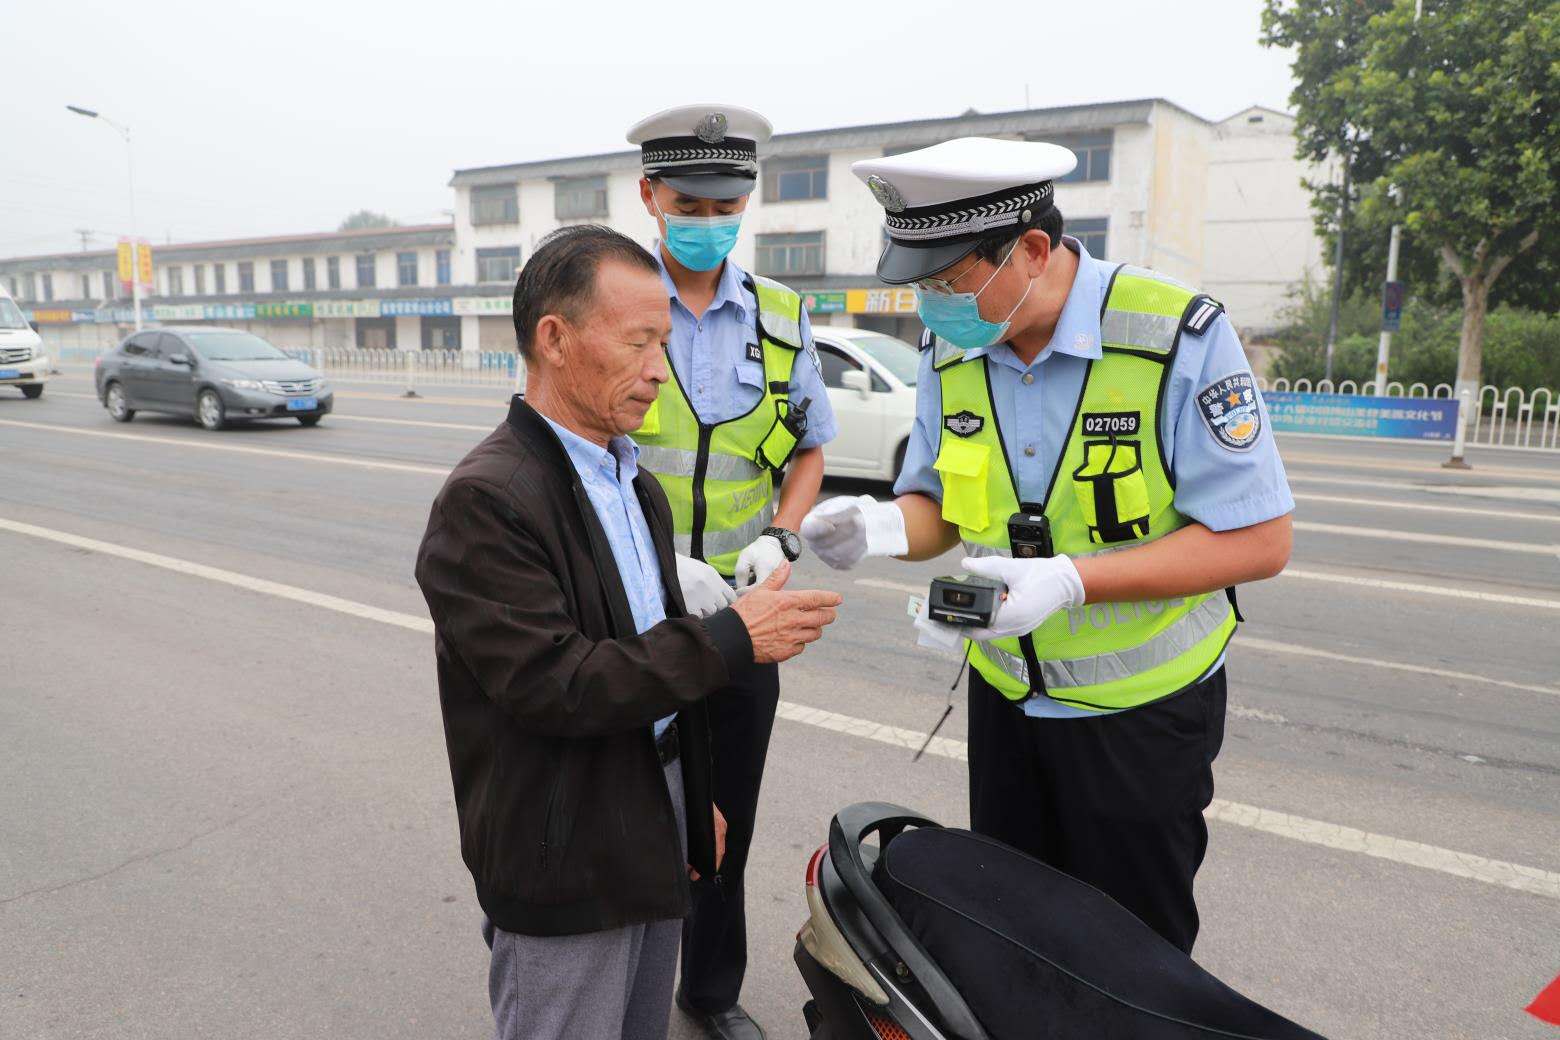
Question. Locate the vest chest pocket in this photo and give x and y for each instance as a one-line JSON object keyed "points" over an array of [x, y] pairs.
{"points": [[964, 467], [1112, 493]]}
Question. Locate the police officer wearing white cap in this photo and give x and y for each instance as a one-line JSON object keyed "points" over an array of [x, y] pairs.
{"points": [[1092, 434], [745, 403]]}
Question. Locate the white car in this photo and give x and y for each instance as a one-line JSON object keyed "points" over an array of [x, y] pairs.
{"points": [[23, 363], [871, 384]]}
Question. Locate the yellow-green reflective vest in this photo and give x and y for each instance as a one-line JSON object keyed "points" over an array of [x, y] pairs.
{"points": [[1110, 489], [718, 477]]}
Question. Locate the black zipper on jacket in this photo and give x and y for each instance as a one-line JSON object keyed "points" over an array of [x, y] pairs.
{"points": [[552, 806], [701, 464]]}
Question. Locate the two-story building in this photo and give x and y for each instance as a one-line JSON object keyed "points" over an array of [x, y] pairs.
{"points": [[1219, 205]]}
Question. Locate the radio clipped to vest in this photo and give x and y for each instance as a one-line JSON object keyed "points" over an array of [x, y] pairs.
{"points": [[790, 426]]}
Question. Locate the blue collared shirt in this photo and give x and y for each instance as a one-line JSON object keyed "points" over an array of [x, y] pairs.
{"points": [[608, 475], [709, 356], [1220, 488]]}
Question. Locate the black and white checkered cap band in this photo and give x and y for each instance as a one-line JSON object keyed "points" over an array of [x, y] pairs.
{"points": [[670, 154], [932, 225]]}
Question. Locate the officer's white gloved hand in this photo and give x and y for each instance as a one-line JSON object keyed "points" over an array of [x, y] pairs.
{"points": [[842, 531], [758, 561], [704, 590], [1036, 589]]}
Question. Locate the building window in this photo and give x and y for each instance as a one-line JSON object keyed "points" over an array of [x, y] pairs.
{"points": [[108, 285], [48, 287], [175, 281], [797, 177], [200, 279], [497, 265], [406, 268], [441, 333], [1092, 150], [246, 276], [1090, 232], [441, 267], [333, 272], [578, 198], [86, 287], [219, 278], [365, 270], [308, 274], [495, 204], [790, 254], [278, 275]]}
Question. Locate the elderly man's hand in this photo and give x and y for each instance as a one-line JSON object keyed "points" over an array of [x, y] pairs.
{"points": [[720, 842], [781, 623]]}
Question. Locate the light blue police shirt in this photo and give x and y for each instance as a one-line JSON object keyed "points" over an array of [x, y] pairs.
{"points": [[1218, 487], [709, 355], [608, 475]]}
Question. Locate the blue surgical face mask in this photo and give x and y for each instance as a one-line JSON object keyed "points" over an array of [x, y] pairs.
{"points": [[700, 243], [955, 317]]}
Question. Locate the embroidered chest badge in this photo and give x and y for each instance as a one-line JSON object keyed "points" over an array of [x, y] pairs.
{"points": [[1229, 408], [964, 424]]}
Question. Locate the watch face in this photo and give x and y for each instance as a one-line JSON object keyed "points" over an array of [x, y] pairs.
{"points": [[790, 543]]}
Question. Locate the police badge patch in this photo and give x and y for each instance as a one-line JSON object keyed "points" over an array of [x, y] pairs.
{"points": [[964, 424], [1229, 408]]}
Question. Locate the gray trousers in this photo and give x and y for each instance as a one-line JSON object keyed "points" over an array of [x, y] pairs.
{"points": [[598, 985]]}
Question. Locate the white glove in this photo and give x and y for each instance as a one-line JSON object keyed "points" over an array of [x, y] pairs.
{"points": [[758, 561], [1037, 588], [842, 531], [704, 590]]}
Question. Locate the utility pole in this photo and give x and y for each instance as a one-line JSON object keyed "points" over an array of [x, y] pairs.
{"points": [[135, 246], [86, 234], [1337, 294]]}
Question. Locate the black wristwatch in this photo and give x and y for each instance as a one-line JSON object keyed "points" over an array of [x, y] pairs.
{"points": [[790, 544]]}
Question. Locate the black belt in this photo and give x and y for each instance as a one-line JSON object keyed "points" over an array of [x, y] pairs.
{"points": [[667, 746]]}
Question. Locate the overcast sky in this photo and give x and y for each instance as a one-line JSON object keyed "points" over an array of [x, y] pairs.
{"points": [[287, 120]]}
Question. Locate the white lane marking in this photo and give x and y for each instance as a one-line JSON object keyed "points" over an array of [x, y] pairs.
{"points": [[182, 442], [1517, 492], [1427, 466], [1421, 589], [1240, 711], [428, 423], [1388, 534], [1421, 507], [1284, 825], [1296, 828], [1272, 647], [217, 574]]}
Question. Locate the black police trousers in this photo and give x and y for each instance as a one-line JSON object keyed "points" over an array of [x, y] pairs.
{"points": [[1113, 800], [714, 940]]}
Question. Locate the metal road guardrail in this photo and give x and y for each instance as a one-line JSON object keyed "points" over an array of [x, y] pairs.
{"points": [[413, 368], [1511, 417]]}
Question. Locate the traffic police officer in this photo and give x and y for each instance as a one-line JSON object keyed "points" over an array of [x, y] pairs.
{"points": [[1119, 404], [745, 403]]}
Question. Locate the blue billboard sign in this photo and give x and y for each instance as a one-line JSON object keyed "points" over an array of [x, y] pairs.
{"points": [[1414, 418], [404, 308]]}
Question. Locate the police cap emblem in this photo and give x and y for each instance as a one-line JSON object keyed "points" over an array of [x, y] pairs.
{"points": [[964, 424], [712, 128], [887, 195]]}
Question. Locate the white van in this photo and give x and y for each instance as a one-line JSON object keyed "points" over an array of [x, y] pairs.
{"points": [[23, 363]]}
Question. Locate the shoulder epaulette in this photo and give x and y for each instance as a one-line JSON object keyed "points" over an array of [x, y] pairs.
{"points": [[1201, 313]]}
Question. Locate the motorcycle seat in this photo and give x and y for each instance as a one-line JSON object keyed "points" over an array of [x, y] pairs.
{"points": [[1037, 953]]}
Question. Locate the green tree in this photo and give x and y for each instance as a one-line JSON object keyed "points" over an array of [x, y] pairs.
{"points": [[366, 218], [1454, 109]]}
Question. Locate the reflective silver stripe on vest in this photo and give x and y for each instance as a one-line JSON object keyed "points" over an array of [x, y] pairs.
{"points": [[679, 462], [719, 543], [787, 328], [1134, 329], [1174, 641]]}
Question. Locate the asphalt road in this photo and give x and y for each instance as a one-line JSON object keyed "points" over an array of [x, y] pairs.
{"points": [[225, 807]]}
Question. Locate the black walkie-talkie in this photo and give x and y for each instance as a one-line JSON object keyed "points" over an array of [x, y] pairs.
{"points": [[1029, 533]]}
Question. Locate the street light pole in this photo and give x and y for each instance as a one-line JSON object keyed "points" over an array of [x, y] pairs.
{"points": [[1384, 347], [135, 245]]}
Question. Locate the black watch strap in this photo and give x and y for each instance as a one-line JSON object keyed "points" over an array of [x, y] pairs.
{"points": [[790, 541]]}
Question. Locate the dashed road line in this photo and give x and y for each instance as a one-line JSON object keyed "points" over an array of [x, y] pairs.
{"points": [[1423, 507], [1422, 538], [1284, 825]]}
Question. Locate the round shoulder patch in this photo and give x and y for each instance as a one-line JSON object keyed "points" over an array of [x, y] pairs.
{"points": [[1229, 409]]}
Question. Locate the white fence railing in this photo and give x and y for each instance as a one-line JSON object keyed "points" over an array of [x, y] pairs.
{"points": [[1510, 417], [413, 368]]}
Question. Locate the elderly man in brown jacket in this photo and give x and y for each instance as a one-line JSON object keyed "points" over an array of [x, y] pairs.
{"points": [[571, 677]]}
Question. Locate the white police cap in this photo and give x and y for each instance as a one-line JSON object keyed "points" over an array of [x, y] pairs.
{"points": [[707, 151], [940, 201]]}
